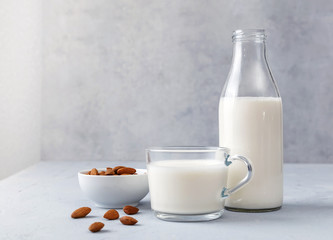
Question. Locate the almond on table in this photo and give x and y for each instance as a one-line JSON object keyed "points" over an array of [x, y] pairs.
{"points": [[126, 220], [112, 214], [130, 210], [81, 212], [96, 226]]}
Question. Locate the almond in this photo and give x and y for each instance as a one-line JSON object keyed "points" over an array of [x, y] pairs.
{"points": [[126, 170], [81, 212], [115, 169], [101, 173], [126, 220], [96, 226], [130, 210], [109, 171], [94, 171], [112, 214]]}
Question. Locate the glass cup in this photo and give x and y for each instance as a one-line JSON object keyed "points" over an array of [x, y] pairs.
{"points": [[190, 183]]}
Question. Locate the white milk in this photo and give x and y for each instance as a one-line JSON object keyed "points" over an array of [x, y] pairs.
{"points": [[187, 186], [252, 126]]}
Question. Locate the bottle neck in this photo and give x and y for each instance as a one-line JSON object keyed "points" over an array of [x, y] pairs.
{"points": [[249, 74], [247, 53]]}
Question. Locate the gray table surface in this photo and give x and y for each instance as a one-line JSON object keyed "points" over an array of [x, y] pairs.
{"points": [[36, 204]]}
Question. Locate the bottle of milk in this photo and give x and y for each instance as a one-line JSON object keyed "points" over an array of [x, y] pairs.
{"points": [[250, 124]]}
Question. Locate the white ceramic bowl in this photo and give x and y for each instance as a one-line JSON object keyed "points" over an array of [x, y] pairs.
{"points": [[114, 191]]}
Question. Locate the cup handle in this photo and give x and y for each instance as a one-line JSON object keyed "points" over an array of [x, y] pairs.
{"points": [[227, 191]]}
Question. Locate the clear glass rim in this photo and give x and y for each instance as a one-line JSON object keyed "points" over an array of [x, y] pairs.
{"points": [[188, 149], [249, 34]]}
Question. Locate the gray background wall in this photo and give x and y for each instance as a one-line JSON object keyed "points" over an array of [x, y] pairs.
{"points": [[20, 84], [120, 76]]}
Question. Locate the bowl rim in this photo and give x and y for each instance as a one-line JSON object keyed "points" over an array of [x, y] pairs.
{"points": [[82, 173]]}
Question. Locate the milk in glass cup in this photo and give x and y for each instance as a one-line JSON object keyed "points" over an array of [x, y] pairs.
{"points": [[190, 183]]}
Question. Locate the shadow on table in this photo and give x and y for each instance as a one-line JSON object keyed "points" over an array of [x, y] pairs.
{"points": [[289, 212], [144, 205]]}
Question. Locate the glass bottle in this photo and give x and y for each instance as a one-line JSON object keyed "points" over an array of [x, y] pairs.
{"points": [[250, 123]]}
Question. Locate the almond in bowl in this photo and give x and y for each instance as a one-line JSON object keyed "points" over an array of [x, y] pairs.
{"points": [[118, 170], [114, 187]]}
